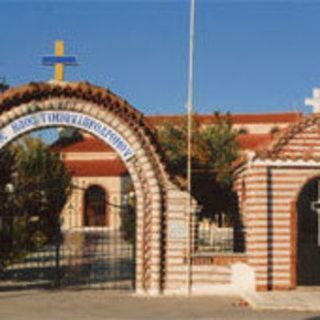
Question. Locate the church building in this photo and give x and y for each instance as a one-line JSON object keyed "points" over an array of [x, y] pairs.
{"points": [[101, 183]]}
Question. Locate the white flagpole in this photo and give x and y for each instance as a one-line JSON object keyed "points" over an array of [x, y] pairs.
{"points": [[189, 142]]}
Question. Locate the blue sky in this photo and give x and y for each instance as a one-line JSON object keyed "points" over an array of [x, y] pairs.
{"points": [[250, 56]]}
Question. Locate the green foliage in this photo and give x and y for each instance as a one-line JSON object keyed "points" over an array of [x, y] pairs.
{"points": [[220, 149], [214, 149], [7, 168], [128, 222], [128, 226], [3, 86], [30, 211]]}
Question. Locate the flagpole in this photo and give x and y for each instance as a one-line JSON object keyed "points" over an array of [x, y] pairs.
{"points": [[189, 142]]}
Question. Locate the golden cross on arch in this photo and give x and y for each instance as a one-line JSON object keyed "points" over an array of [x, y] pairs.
{"points": [[59, 61]]}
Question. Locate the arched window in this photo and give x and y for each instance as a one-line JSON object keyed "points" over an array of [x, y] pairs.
{"points": [[95, 207]]}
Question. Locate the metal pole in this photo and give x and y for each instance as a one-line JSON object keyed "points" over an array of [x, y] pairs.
{"points": [[189, 158]]}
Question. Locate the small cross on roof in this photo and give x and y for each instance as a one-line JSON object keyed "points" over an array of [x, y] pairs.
{"points": [[314, 101]]}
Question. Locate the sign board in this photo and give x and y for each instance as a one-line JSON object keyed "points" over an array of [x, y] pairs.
{"points": [[59, 118]]}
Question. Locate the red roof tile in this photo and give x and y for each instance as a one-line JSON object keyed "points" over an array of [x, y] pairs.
{"points": [[278, 148], [246, 141], [88, 144], [92, 144], [254, 141], [288, 117], [96, 168]]}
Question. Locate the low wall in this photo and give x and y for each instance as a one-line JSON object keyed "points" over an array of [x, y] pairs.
{"points": [[211, 273], [221, 274]]}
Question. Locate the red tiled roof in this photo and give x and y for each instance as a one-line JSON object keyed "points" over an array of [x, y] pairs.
{"points": [[280, 147], [254, 141], [246, 141], [96, 168], [88, 144], [92, 144], [288, 117]]}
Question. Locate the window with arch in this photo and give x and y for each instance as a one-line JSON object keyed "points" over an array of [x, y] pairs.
{"points": [[95, 207]]}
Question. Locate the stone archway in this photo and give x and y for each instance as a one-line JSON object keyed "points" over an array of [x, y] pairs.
{"points": [[112, 119]]}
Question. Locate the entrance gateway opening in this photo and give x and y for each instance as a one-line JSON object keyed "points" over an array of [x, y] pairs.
{"points": [[101, 113], [61, 230], [308, 241]]}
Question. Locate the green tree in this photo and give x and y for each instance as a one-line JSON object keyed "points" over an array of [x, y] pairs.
{"points": [[3, 85], [40, 187], [43, 183], [128, 221], [7, 168], [214, 149]]}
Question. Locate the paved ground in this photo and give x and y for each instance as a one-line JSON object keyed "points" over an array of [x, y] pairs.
{"points": [[98, 304], [101, 260], [305, 299]]}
